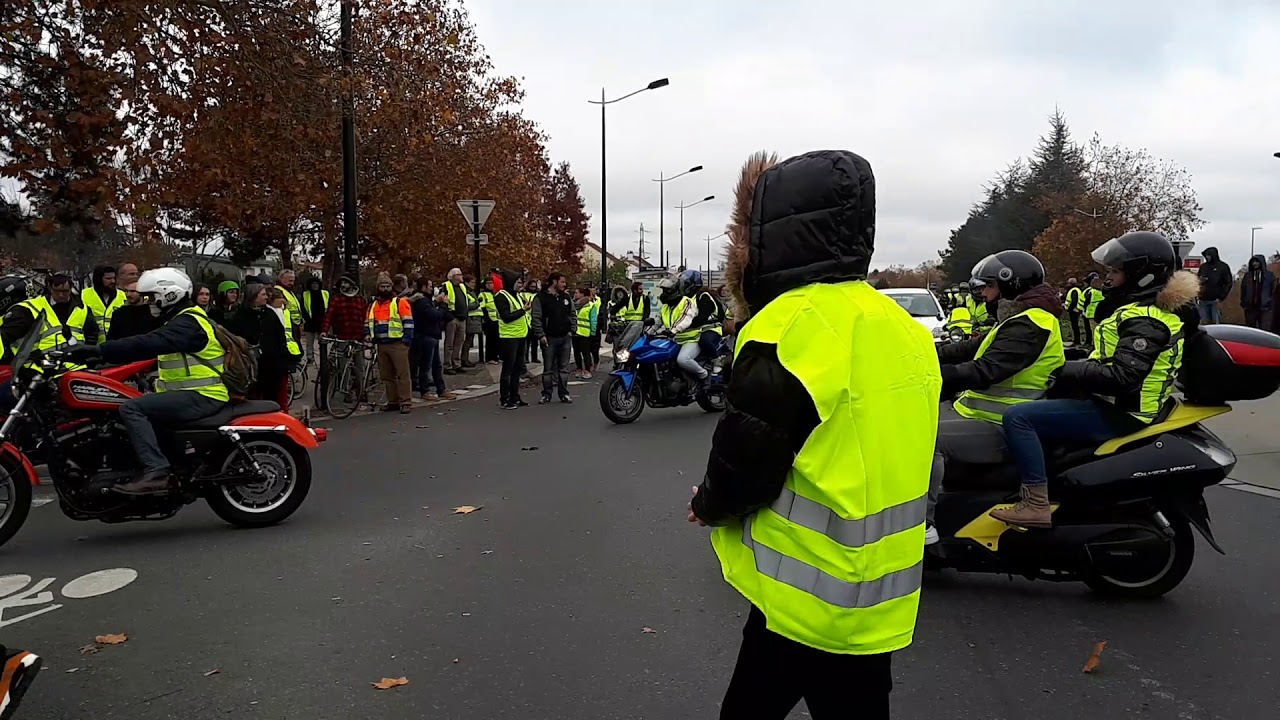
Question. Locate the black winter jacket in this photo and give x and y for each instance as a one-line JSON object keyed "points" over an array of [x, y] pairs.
{"points": [[181, 334], [1016, 347], [1215, 276]]}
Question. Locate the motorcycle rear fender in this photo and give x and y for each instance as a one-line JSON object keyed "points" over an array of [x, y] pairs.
{"points": [[278, 422], [628, 378], [9, 450], [1196, 511]]}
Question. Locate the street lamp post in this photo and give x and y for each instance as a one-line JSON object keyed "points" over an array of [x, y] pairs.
{"points": [[662, 203], [350, 234], [682, 208], [604, 205], [1253, 232], [709, 239]]}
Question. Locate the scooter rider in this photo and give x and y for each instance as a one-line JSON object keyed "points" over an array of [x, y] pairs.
{"points": [[678, 314], [190, 363], [710, 317], [1012, 364], [1136, 359]]}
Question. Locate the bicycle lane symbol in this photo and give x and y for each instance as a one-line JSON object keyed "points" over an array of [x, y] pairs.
{"points": [[18, 593]]}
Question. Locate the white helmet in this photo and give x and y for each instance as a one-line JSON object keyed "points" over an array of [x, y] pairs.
{"points": [[166, 286]]}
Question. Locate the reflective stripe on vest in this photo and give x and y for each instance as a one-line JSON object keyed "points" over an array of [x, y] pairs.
{"points": [[1029, 383], [835, 562], [634, 309], [201, 372], [101, 311], [389, 328], [1158, 384], [76, 320], [291, 304], [671, 315], [517, 329], [714, 326]]}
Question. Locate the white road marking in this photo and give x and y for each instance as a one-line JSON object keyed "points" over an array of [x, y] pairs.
{"points": [[42, 500], [99, 583], [1255, 489]]}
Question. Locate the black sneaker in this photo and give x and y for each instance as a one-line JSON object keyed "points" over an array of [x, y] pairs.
{"points": [[521, 403], [509, 406], [566, 400], [544, 399], [19, 669]]}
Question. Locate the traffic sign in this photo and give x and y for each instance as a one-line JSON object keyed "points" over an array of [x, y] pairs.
{"points": [[471, 239], [476, 213]]}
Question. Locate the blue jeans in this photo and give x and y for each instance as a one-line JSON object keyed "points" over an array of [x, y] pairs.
{"points": [[1209, 311], [430, 369], [1085, 421]]}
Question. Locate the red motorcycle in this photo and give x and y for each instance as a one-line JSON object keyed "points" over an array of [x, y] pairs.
{"points": [[250, 461]]}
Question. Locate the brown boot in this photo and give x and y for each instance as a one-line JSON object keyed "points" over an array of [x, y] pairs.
{"points": [[147, 483], [1031, 511]]}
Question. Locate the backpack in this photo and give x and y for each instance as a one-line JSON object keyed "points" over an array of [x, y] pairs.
{"points": [[239, 363]]}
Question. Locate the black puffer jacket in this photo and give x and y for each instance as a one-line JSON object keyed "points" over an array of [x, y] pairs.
{"points": [[1016, 346], [1215, 276], [808, 220]]}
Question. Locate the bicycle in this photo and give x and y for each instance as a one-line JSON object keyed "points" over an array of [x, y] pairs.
{"points": [[345, 386], [375, 390], [298, 378]]}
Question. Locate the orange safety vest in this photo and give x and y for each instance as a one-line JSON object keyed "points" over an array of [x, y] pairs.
{"points": [[386, 319]]}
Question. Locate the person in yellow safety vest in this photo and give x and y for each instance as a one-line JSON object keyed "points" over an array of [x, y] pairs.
{"points": [[984, 313], [475, 312], [77, 322], [1012, 364], [1093, 297], [583, 331], [280, 303], [285, 283], [960, 319], [818, 473], [1073, 302], [513, 332], [390, 325], [599, 319], [315, 304], [489, 321], [102, 299], [1129, 375], [709, 317], [526, 293], [190, 361], [677, 314], [634, 307]]}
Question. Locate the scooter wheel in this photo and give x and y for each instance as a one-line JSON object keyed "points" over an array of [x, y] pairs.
{"points": [[1182, 549]]}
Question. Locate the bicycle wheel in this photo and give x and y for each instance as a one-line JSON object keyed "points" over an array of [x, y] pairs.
{"points": [[297, 383], [346, 392], [319, 399], [375, 392]]}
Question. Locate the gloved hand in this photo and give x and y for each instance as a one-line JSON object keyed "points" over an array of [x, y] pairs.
{"points": [[82, 353]]}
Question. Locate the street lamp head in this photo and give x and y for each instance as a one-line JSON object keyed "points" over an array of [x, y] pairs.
{"points": [[695, 168], [709, 197], [659, 84], [1277, 154]]}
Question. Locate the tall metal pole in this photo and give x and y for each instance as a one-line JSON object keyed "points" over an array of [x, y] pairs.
{"points": [[662, 206], [682, 263], [350, 235], [604, 203]]}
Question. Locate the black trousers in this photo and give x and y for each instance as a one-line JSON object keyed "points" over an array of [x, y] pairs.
{"points": [[490, 328], [774, 673], [582, 351], [513, 354], [1075, 326]]}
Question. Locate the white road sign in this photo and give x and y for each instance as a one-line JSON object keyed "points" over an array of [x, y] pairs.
{"points": [[476, 213], [471, 239]]}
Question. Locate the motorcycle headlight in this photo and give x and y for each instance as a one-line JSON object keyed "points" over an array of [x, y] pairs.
{"points": [[957, 335], [1216, 452], [621, 355]]}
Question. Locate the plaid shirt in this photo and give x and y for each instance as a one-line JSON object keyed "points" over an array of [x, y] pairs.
{"points": [[345, 319]]}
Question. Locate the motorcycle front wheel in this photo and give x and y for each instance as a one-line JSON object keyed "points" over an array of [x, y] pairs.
{"points": [[15, 498], [286, 481], [617, 404]]}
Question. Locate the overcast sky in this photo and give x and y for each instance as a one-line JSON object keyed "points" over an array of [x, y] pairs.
{"points": [[937, 95]]}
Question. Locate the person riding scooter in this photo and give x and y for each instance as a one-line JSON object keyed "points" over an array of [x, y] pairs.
{"points": [[678, 314], [710, 317], [984, 312], [190, 364], [1129, 375], [1012, 364]]}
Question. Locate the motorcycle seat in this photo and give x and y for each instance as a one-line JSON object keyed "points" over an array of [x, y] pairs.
{"points": [[230, 412]]}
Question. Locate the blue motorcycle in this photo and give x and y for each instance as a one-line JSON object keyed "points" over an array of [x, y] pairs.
{"points": [[645, 373]]}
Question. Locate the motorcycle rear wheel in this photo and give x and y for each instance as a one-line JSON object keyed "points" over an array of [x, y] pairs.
{"points": [[711, 403], [271, 501], [15, 493], [1182, 549], [612, 390]]}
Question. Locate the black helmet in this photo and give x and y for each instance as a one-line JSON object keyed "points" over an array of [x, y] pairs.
{"points": [[1013, 271], [976, 286], [13, 290], [690, 282], [1147, 259]]}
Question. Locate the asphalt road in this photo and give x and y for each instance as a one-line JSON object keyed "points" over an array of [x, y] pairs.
{"points": [[535, 606]]}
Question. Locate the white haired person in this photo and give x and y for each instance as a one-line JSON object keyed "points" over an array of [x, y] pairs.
{"points": [[455, 333]]}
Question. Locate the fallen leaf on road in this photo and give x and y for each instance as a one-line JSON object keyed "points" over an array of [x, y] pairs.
{"points": [[1095, 658], [111, 639], [531, 447], [422, 427], [486, 552], [455, 661], [89, 649], [73, 670], [466, 509], [648, 630], [388, 683], [215, 671]]}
